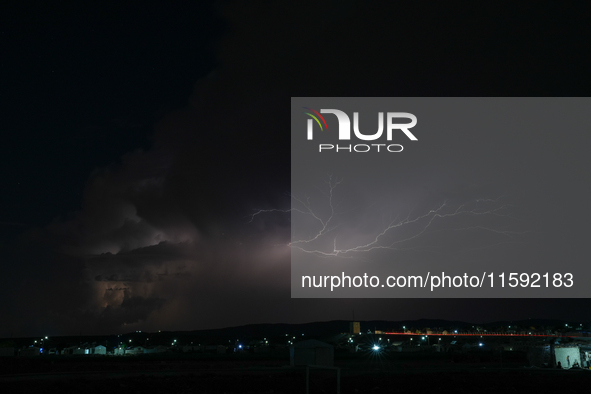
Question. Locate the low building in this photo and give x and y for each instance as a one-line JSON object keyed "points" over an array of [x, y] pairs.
{"points": [[160, 349], [99, 349], [155, 349], [575, 355], [567, 356], [135, 350], [73, 350], [30, 351]]}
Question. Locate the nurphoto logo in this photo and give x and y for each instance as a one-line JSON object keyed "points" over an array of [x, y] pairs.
{"points": [[344, 132]]}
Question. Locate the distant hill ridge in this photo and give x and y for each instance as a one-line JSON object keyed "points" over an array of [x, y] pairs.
{"points": [[342, 326]]}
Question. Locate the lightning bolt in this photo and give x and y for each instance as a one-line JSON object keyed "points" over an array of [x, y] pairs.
{"points": [[395, 233]]}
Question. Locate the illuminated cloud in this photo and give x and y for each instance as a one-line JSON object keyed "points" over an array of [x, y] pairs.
{"points": [[165, 240]]}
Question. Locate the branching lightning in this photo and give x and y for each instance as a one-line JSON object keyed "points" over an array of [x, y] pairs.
{"points": [[394, 233]]}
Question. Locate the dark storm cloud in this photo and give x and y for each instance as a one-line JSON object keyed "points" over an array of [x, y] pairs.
{"points": [[147, 264], [164, 240], [129, 311], [279, 49]]}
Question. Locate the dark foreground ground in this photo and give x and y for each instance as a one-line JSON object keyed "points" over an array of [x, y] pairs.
{"points": [[397, 373]]}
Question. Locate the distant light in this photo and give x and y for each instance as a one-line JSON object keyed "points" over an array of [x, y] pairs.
{"points": [[46, 337], [456, 331], [239, 346], [480, 344], [376, 348]]}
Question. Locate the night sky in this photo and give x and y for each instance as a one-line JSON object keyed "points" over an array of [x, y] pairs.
{"points": [[138, 137]]}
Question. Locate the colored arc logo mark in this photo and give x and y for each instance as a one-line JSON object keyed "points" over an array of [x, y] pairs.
{"points": [[316, 119]]}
